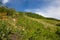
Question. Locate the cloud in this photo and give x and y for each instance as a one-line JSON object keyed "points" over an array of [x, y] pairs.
{"points": [[52, 9], [37, 11], [5, 1]]}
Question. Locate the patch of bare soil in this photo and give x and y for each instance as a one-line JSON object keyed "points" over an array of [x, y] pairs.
{"points": [[14, 37]]}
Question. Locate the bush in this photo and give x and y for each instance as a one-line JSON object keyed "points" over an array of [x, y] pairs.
{"points": [[58, 24], [4, 30], [33, 15]]}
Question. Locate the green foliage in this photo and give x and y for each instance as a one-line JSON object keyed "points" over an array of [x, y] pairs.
{"points": [[58, 31], [3, 9], [4, 30], [52, 19], [10, 12], [17, 25], [35, 31], [33, 15], [58, 24]]}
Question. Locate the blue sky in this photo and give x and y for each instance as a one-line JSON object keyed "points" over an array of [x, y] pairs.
{"points": [[47, 8], [21, 5]]}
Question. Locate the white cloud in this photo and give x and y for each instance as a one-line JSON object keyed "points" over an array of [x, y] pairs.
{"points": [[5, 1], [37, 11], [53, 9], [53, 12]]}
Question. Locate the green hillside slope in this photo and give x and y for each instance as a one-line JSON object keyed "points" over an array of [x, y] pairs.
{"points": [[27, 26]]}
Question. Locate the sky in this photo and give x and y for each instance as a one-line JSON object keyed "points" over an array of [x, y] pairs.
{"points": [[47, 8]]}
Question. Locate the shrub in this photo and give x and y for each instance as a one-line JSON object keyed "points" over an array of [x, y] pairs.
{"points": [[58, 24], [4, 30]]}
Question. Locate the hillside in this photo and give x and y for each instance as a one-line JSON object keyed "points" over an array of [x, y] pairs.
{"points": [[27, 26]]}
